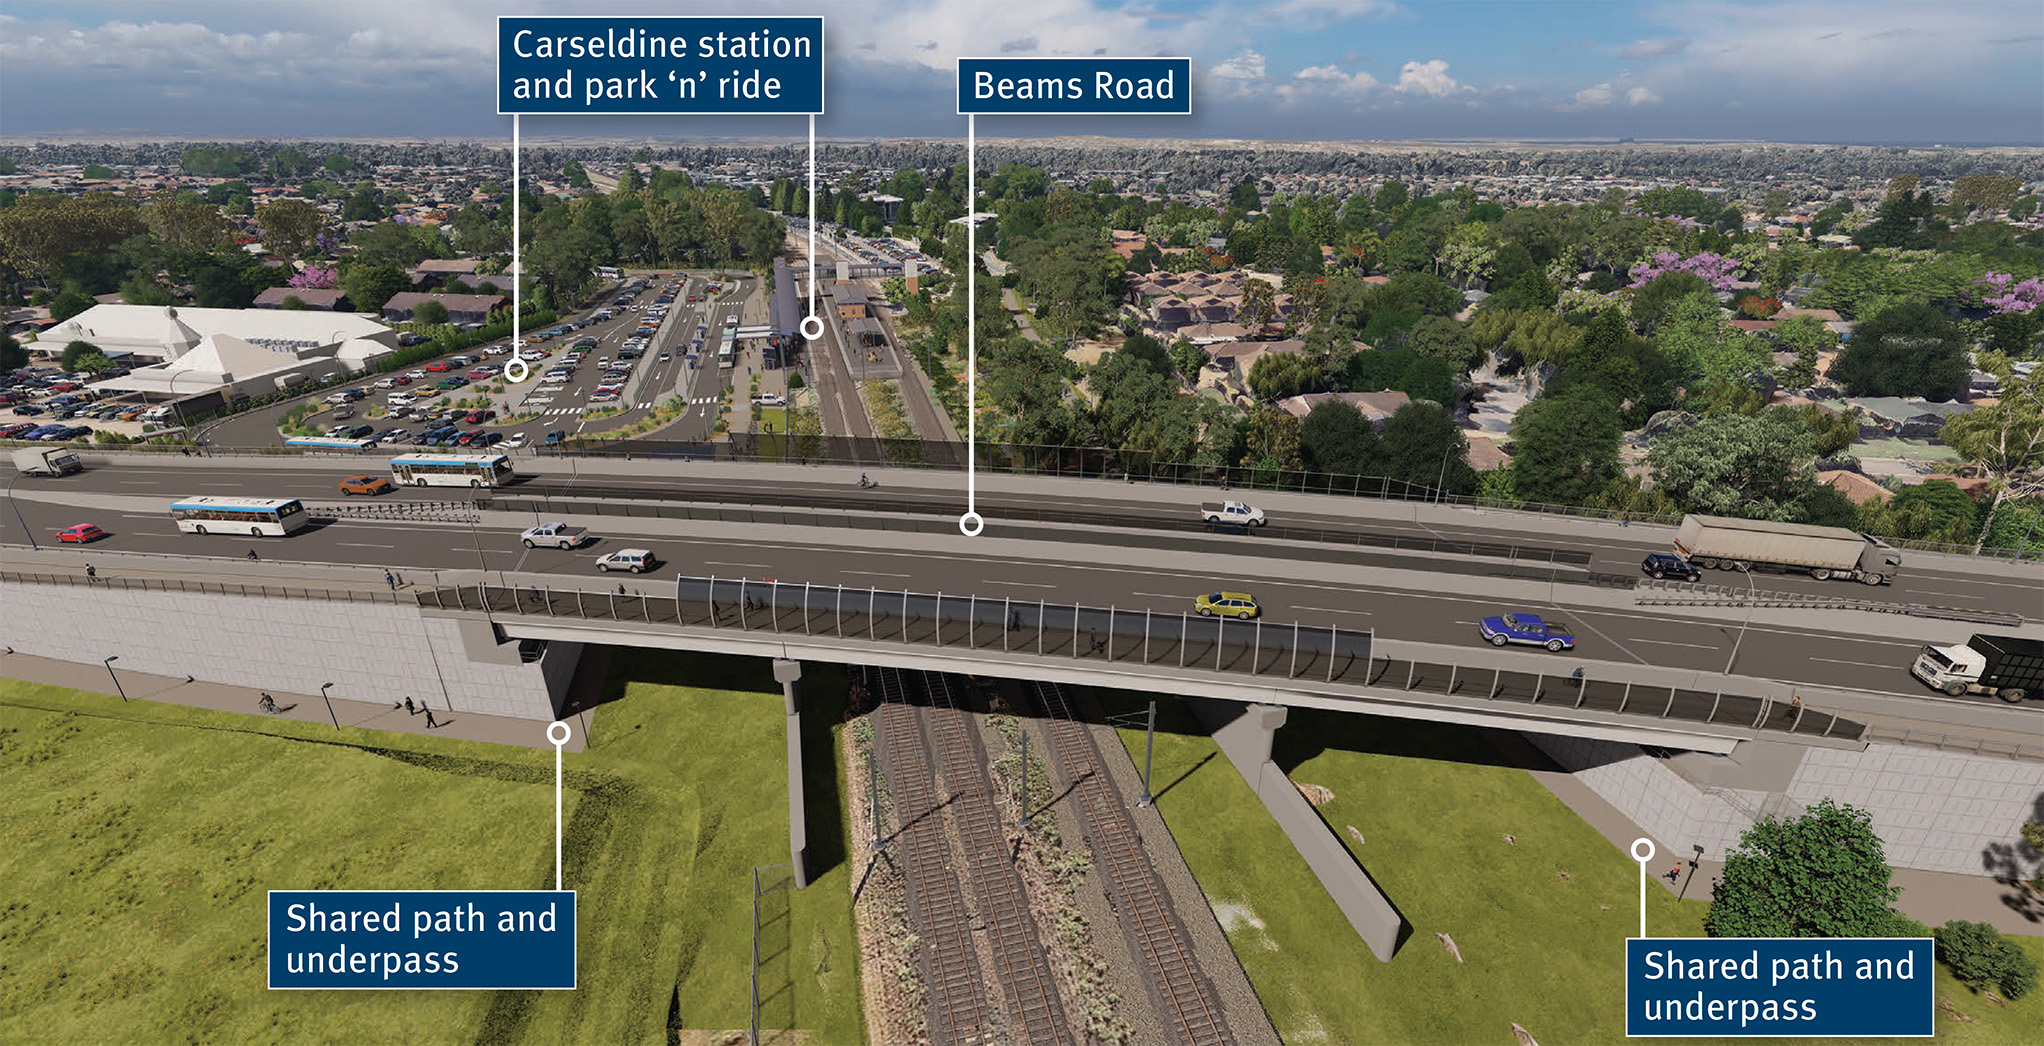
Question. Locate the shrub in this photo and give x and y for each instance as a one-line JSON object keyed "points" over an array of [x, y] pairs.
{"points": [[1980, 956]]}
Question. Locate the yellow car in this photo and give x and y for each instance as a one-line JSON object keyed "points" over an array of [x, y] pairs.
{"points": [[1227, 604], [426, 393]]}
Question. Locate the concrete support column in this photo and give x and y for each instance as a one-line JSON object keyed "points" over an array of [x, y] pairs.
{"points": [[787, 672]]}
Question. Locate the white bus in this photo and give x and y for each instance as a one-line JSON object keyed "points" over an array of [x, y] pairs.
{"points": [[450, 470], [258, 517], [725, 358]]}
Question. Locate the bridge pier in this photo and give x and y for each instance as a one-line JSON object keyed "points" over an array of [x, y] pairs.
{"points": [[787, 673], [1245, 734]]}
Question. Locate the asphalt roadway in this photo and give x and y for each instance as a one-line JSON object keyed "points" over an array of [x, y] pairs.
{"points": [[1055, 564]]}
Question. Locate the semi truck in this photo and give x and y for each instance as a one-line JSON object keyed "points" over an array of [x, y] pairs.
{"points": [[46, 461], [1231, 514], [1823, 553], [2008, 667]]}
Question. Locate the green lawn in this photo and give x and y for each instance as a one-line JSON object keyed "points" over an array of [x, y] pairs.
{"points": [[1541, 922], [138, 840]]}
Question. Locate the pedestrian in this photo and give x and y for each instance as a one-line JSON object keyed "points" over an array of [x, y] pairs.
{"points": [[409, 710], [390, 579], [621, 589], [1096, 639], [430, 724], [1014, 620], [252, 557], [1674, 872], [1577, 675], [91, 573], [1796, 706]]}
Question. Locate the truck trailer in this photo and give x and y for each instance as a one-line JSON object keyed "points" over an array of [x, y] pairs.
{"points": [[1823, 553], [2007, 667], [46, 461]]}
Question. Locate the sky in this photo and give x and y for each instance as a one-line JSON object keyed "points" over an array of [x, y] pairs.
{"points": [[1943, 71]]}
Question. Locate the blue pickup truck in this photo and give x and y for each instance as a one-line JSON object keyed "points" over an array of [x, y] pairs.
{"points": [[1528, 629]]}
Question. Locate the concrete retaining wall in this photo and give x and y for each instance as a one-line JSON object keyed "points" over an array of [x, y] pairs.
{"points": [[368, 650], [1935, 811]]}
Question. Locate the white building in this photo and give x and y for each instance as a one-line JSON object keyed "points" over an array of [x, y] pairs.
{"points": [[231, 351]]}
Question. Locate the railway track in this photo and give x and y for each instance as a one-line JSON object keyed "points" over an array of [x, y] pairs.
{"points": [[955, 990], [1026, 978], [1180, 993]]}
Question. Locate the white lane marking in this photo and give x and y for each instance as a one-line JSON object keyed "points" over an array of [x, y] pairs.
{"points": [[1670, 642], [1337, 610], [351, 544], [758, 566], [1862, 664], [141, 482], [1021, 584], [874, 573], [1154, 595]]}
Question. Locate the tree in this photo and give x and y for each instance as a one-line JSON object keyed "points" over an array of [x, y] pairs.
{"points": [[77, 354], [69, 303], [12, 355], [289, 225], [1444, 339], [362, 206], [1391, 198], [292, 303], [1243, 197], [1651, 302], [1935, 510], [1980, 956], [1823, 874], [2006, 439], [369, 286], [1281, 375], [1423, 447], [1697, 339], [1337, 438], [1259, 304], [1909, 349], [1807, 337], [430, 312], [1270, 439], [1400, 370], [1188, 359], [1755, 466], [1565, 447], [187, 225]]}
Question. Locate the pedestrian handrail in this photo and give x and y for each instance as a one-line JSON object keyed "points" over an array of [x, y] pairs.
{"points": [[412, 511], [200, 587], [1943, 742], [1664, 592]]}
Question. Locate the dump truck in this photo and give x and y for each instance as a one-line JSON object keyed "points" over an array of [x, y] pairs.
{"points": [[2007, 667], [46, 461], [1823, 553]]}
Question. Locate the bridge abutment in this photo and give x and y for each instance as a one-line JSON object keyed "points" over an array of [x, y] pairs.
{"points": [[788, 673]]}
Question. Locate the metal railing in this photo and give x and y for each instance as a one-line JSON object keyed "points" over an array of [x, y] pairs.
{"points": [[211, 588], [409, 511], [1944, 742], [1650, 592]]}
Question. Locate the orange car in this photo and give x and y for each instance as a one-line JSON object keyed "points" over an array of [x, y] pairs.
{"points": [[369, 485]]}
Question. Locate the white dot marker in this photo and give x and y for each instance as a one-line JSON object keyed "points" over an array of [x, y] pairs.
{"points": [[1642, 858], [523, 370], [812, 327], [970, 524], [561, 740]]}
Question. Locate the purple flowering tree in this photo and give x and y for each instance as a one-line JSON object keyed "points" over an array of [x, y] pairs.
{"points": [[2003, 294], [1715, 269], [312, 277]]}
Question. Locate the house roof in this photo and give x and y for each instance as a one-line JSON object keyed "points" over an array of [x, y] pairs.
{"points": [[1375, 406], [326, 296], [410, 300], [1857, 489]]}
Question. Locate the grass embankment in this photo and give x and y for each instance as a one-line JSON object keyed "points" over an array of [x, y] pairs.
{"points": [[884, 406], [139, 839], [1541, 921]]}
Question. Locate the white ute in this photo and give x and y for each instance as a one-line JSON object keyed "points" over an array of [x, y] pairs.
{"points": [[1232, 513], [559, 535]]}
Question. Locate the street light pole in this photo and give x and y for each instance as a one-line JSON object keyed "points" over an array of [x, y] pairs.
{"points": [[1751, 596], [109, 662], [1149, 743], [323, 688], [33, 547]]}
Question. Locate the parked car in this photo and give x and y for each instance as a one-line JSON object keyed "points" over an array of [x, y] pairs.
{"points": [[80, 533], [1227, 604], [1658, 565], [769, 399], [1527, 630], [440, 366], [516, 441], [477, 417], [554, 436], [367, 485]]}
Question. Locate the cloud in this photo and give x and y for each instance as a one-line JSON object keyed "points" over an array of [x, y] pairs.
{"points": [[1242, 66], [1654, 48], [1641, 96], [1027, 43], [1326, 81], [1591, 97], [1429, 78]]}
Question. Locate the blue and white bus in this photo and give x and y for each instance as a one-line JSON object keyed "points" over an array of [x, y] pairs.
{"points": [[257, 517], [450, 470], [329, 443]]}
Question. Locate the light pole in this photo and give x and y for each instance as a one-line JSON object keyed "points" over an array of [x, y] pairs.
{"points": [[1751, 596], [109, 662], [33, 547], [323, 688]]}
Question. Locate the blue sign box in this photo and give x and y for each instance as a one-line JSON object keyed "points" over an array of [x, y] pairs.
{"points": [[1806, 987], [1085, 86], [753, 65], [422, 939]]}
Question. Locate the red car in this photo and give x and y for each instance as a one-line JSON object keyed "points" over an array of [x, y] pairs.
{"points": [[439, 365], [400, 380], [81, 533]]}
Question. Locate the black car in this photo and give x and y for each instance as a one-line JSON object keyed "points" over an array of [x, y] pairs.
{"points": [[1658, 565]]}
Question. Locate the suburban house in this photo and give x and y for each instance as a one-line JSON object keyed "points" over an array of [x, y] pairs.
{"points": [[461, 308], [434, 272], [319, 299], [1375, 406]]}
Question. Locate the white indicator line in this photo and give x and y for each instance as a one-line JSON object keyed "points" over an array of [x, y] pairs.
{"points": [[350, 544], [971, 314], [1026, 584], [874, 573], [717, 563], [1160, 595], [1336, 610], [1862, 664]]}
